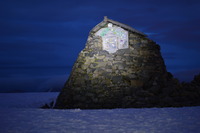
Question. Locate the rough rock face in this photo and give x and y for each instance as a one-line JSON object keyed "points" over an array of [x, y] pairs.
{"points": [[118, 68]]}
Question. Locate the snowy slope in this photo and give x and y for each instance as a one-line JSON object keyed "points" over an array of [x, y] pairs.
{"points": [[23, 116]]}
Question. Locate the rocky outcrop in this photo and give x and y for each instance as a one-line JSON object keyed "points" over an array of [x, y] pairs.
{"points": [[132, 76], [189, 93]]}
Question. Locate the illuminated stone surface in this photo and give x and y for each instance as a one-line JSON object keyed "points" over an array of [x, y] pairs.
{"points": [[118, 68], [114, 38]]}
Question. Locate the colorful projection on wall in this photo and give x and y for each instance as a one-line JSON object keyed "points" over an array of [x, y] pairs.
{"points": [[114, 38]]}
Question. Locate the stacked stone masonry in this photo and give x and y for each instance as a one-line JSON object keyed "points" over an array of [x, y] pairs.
{"points": [[131, 77]]}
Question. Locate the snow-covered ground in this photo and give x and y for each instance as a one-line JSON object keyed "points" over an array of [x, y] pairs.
{"points": [[20, 113]]}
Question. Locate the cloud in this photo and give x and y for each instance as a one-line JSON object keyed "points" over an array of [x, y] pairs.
{"points": [[187, 75], [32, 84], [28, 79]]}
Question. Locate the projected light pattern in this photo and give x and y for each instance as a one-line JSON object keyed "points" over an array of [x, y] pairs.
{"points": [[114, 38]]}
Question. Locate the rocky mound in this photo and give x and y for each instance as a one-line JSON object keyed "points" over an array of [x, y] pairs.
{"points": [[120, 68]]}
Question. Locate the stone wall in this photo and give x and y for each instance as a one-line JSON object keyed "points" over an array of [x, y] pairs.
{"points": [[131, 77]]}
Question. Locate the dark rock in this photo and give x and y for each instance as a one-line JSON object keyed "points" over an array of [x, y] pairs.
{"points": [[155, 89], [116, 79], [196, 80], [166, 101]]}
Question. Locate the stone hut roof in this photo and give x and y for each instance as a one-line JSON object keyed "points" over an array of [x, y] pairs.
{"points": [[124, 26]]}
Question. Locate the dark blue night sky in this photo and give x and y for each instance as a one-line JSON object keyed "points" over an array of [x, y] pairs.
{"points": [[40, 39]]}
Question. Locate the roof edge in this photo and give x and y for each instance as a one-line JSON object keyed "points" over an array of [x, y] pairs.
{"points": [[106, 20]]}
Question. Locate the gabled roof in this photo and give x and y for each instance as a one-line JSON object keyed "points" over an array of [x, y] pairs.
{"points": [[124, 26]]}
